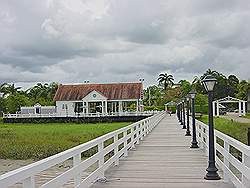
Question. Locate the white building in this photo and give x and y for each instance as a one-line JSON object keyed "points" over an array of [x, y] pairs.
{"points": [[38, 109], [98, 98]]}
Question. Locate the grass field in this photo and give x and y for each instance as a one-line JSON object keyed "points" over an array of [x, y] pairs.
{"points": [[233, 129], [37, 141], [247, 116]]}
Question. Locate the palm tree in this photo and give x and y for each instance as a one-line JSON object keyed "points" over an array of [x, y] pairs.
{"points": [[167, 80], [11, 89]]}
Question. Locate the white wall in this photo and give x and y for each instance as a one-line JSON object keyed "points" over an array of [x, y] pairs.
{"points": [[69, 110]]}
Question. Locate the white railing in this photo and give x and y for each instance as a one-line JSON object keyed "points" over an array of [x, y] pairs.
{"points": [[232, 156], [122, 140], [18, 115]]}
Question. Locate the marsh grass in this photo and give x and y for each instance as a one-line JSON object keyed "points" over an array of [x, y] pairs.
{"points": [[38, 141]]}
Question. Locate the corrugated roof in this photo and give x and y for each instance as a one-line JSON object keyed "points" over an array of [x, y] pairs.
{"points": [[110, 91]]}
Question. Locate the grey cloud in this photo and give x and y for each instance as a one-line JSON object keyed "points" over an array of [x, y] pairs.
{"points": [[107, 40]]}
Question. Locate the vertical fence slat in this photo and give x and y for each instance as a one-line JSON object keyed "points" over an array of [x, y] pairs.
{"points": [[226, 162], [246, 177], [116, 149], [101, 158]]}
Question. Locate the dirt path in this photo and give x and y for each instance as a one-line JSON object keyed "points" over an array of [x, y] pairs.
{"points": [[235, 117], [7, 165]]}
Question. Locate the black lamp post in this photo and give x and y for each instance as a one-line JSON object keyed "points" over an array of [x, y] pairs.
{"points": [[178, 112], [183, 115], [209, 83], [194, 144], [188, 130]]}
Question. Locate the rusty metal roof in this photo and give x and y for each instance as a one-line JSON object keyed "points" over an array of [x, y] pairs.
{"points": [[114, 91]]}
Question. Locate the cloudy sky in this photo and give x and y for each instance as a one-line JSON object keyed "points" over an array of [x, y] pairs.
{"points": [[122, 40]]}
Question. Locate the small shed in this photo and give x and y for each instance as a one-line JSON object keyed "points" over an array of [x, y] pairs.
{"points": [[38, 109]]}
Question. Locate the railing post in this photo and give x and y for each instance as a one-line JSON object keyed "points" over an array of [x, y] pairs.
{"points": [[29, 182], [125, 143], [76, 162], [245, 177], [226, 162], [101, 159], [116, 150], [138, 127], [248, 137]]}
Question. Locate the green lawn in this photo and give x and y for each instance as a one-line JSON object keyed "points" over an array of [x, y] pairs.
{"points": [[233, 129], [247, 116], [37, 141]]}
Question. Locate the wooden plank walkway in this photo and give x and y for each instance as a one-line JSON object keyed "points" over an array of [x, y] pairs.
{"points": [[163, 159]]}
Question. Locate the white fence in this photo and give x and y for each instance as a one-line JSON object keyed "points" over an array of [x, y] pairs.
{"points": [[232, 156], [18, 115], [106, 155]]}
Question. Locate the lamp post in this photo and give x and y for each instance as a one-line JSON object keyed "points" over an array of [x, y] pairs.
{"points": [[178, 111], [181, 119], [194, 143], [188, 130], [209, 83], [183, 114]]}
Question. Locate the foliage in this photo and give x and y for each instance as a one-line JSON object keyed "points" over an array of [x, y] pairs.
{"points": [[185, 87], [201, 103], [166, 80], [153, 108], [153, 95], [243, 88], [14, 101], [232, 128], [32, 141], [13, 98], [226, 86]]}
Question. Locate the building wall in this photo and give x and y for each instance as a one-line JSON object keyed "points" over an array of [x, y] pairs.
{"points": [[65, 107]]}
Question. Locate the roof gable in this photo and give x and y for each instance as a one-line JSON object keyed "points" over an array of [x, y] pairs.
{"points": [[115, 91], [94, 96]]}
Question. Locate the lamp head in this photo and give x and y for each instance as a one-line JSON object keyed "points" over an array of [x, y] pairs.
{"points": [[209, 82], [192, 93]]}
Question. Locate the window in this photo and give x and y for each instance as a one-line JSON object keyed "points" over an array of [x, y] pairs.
{"points": [[63, 106]]}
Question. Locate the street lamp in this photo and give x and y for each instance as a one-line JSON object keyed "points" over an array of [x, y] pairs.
{"points": [[178, 111], [180, 108], [188, 130], [192, 94], [183, 115], [209, 83]]}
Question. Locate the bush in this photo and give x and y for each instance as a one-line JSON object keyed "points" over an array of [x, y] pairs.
{"points": [[201, 109], [153, 108]]}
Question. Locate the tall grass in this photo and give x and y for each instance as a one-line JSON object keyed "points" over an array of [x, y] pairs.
{"points": [[232, 128], [37, 141]]}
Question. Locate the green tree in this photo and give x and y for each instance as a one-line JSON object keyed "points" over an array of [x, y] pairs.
{"points": [[166, 80], [243, 87], [185, 87], [153, 96], [11, 89], [14, 102]]}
